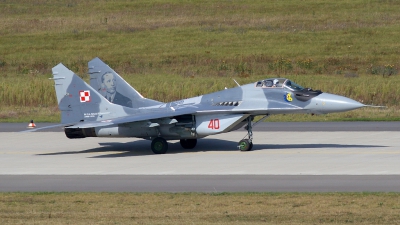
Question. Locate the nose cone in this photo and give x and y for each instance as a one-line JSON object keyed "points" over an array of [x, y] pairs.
{"points": [[328, 103]]}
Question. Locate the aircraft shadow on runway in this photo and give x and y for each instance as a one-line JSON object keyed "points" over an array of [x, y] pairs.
{"points": [[142, 147]]}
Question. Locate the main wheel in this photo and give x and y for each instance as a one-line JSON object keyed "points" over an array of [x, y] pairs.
{"points": [[188, 143], [245, 145], [159, 145]]}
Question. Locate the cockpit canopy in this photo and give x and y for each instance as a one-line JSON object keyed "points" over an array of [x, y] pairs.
{"points": [[279, 83], [300, 93]]}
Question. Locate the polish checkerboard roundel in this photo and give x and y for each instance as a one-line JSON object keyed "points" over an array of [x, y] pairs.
{"points": [[84, 96]]}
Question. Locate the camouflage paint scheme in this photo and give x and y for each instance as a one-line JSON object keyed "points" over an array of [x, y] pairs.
{"points": [[85, 111]]}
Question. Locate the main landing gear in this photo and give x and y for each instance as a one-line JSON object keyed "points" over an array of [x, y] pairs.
{"points": [[160, 146], [247, 144]]}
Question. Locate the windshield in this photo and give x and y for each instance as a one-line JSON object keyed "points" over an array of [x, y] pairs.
{"points": [[271, 83], [293, 86]]}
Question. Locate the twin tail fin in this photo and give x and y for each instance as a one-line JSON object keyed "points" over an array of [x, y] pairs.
{"points": [[111, 85], [79, 102]]}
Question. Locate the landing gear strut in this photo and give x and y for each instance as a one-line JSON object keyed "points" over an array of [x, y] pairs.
{"points": [[247, 144], [159, 145]]}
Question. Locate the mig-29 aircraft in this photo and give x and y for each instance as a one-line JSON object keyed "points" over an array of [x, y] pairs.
{"points": [[89, 112]]}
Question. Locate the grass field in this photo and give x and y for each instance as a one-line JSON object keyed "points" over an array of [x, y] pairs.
{"points": [[343, 47], [197, 208]]}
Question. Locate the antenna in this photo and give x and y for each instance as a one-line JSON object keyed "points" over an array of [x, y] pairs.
{"points": [[236, 82]]}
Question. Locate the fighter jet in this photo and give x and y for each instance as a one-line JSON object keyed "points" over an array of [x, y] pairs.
{"points": [[86, 112]]}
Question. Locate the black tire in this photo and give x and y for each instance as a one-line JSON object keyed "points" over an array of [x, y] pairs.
{"points": [[244, 145], [159, 145], [188, 143], [251, 146]]}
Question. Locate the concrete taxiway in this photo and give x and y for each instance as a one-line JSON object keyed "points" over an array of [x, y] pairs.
{"points": [[280, 161]]}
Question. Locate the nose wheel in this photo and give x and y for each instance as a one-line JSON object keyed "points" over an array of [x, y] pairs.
{"points": [[245, 145]]}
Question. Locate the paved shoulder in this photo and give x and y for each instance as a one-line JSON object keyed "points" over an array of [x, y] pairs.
{"points": [[198, 183]]}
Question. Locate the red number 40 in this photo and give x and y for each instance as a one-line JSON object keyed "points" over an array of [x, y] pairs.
{"points": [[214, 124]]}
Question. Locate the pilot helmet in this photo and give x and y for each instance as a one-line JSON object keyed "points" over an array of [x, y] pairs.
{"points": [[276, 81]]}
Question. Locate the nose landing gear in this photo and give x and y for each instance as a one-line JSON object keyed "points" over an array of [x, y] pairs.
{"points": [[247, 144]]}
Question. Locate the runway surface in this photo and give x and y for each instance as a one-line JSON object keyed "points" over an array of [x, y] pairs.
{"points": [[300, 161], [199, 183]]}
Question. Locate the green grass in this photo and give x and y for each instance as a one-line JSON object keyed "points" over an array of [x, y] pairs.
{"points": [[199, 208], [344, 47]]}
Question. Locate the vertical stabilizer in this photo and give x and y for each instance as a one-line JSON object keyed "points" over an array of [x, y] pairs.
{"points": [[79, 102], [114, 88]]}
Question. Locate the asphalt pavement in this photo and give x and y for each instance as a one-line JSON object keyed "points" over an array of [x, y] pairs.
{"points": [[287, 157]]}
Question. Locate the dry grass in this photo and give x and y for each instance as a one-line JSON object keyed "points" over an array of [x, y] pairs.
{"points": [[197, 208], [38, 91], [37, 97], [25, 114]]}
